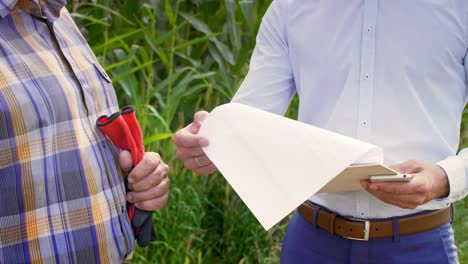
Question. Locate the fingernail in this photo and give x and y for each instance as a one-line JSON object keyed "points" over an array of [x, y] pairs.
{"points": [[374, 187], [203, 142], [129, 197], [131, 180]]}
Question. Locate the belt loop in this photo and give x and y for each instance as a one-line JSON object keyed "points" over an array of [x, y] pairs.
{"points": [[452, 213], [314, 219], [396, 232], [332, 224]]}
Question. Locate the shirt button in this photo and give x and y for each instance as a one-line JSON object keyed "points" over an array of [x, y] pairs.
{"points": [[369, 29], [364, 123]]}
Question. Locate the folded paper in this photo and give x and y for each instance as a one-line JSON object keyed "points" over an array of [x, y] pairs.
{"points": [[275, 163]]}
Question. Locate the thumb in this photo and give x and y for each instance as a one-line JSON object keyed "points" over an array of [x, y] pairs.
{"points": [[125, 161], [198, 120], [200, 117]]}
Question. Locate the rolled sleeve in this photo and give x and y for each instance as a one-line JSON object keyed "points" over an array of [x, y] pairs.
{"points": [[456, 169]]}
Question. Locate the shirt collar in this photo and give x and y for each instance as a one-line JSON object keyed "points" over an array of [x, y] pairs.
{"points": [[36, 8]]}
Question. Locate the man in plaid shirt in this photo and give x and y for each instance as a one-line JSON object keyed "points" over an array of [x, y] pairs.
{"points": [[62, 196]]}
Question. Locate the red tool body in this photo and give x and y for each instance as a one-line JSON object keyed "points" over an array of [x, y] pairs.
{"points": [[123, 129]]}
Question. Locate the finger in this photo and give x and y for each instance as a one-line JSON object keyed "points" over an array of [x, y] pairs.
{"points": [[390, 187], [399, 188], [154, 204], [183, 138], [388, 200], [186, 153], [150, 194], [197, 162], [410, 201], [151, 180], [206, 170], [125, 161], [410, 166], [400, 204], [407, 201], [148, 164]]}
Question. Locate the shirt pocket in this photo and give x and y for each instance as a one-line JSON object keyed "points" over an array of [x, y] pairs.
{"points": [[102, 88]]}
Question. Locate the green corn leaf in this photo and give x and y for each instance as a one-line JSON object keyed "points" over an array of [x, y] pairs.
{"points": [[156, 138]]}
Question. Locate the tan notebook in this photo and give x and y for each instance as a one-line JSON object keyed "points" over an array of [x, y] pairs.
{"points": [[349, 179]]}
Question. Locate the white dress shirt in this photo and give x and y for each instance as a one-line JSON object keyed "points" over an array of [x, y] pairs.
{"points": [[388, 72]]}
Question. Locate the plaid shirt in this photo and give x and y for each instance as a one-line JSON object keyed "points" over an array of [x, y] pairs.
{"points": [[62, 196]]}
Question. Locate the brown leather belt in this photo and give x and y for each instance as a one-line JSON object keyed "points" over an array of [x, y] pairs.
{"points": [[364, 230]]}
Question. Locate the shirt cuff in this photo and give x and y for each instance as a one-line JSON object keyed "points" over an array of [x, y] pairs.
{"points": [[454, 167]]}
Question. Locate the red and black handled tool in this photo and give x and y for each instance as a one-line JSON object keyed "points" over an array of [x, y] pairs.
{"points": [[123, 130]]}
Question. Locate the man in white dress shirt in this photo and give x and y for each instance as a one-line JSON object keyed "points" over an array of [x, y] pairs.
{"points": [[389, 72]]}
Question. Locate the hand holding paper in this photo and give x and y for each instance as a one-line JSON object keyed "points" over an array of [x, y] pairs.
{"points": [[272, 160], [189, 146]]}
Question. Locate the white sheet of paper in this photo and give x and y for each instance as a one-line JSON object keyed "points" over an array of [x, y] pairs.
{"points": [[275, 163]]}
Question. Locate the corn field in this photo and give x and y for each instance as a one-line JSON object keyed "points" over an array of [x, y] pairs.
{"points": [[170, 58]]}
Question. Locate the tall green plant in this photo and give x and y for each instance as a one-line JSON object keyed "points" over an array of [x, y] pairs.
{"points": [[171, 58]]}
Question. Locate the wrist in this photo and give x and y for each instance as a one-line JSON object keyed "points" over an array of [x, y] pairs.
{"points": [[442, 183]]}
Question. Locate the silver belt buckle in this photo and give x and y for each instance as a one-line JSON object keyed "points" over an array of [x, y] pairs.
{"points": [[366, 229]]}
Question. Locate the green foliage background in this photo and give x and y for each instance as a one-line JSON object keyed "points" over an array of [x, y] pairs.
{"points": [[171, 58]]}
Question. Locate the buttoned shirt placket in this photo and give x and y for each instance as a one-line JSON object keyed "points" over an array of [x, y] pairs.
{"points": [[366, 88]]}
